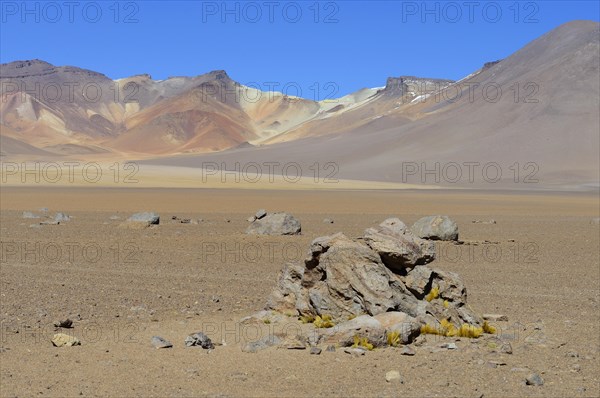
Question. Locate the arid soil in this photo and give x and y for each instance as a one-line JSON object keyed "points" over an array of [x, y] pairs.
{"points": [[539, 265]]}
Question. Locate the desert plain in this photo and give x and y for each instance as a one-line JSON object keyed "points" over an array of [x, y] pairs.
{"points": [[538, 265]]}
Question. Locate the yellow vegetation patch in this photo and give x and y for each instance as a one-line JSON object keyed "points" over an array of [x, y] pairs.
{"points": [[393, 339], [323, 322], [307, 319], [362, 342], [470, 331], [433, 294], [487, 328], [446, 328]]}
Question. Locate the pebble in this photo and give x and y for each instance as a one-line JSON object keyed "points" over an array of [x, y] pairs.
{"points": [[355, 352], [67, 323], [393, 376], [534, 379], [159, 342], [315, 351], [199, 339], [506, 348], [408, 350], [330, 348], [450, 346]]}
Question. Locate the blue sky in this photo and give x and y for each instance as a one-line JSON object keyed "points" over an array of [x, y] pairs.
{"points": [[314, 49]]}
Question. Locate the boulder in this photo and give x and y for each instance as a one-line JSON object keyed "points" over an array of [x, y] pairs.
{"points": [[145, 217], [275, 224], [364, 326], [398, 247], [435, 228], [341, 278], [395, 225], [141, 220], [64, 340]]}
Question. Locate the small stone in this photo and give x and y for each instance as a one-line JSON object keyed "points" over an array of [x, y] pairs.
{"points": [[199, 339], [64, 340], [251, 219], [67, 323], [355, 352], [495, 364], [495, 317], [393, 376], [315, 351], [534, 379], [330, 348], [576, 367], [506, 348], [260, 214], [62, 217], [449, 346], [328, 221], [408, 350], [573, 354], [159, 342]]}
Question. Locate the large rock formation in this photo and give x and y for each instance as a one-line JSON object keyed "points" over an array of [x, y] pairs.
{"points": [[384, 271]]}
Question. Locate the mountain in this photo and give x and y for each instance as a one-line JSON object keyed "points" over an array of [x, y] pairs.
{"points": [[533, 117], [541, 132]]}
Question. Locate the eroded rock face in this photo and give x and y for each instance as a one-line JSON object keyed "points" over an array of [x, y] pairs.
{"points": [[275, 224], [381, 272]]}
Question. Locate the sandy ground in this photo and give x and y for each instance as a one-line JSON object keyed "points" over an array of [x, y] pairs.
{"points": [[540, 267]]}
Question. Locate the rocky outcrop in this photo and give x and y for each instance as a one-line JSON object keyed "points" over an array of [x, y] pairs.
{"points": [[380, 272], [412, 85]]}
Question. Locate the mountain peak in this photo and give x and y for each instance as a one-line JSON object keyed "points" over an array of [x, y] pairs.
{"points": [[25, 68]]}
